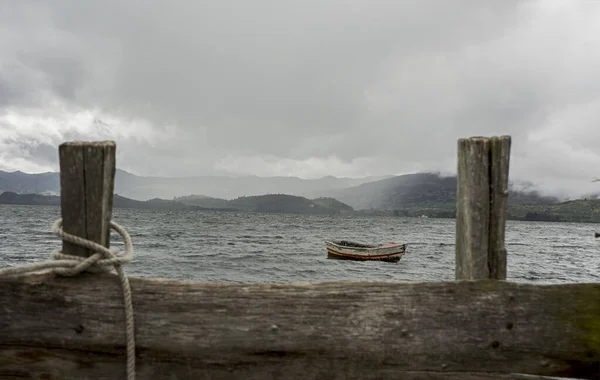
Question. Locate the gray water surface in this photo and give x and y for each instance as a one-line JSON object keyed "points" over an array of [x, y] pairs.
{"points": [[282, 248]]}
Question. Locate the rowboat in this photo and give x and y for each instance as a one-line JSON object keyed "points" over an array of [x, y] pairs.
{"points": [[349, 250]]}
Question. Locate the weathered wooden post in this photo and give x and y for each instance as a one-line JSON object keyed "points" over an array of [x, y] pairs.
{"points": [[481, 207], [87, 172]]}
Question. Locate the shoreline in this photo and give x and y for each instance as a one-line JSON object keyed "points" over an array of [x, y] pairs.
{"points": [[356, 213]]}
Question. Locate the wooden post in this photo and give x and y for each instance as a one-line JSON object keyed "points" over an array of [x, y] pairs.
{"points": [[481, 207], [87, 172], [499, 162]]}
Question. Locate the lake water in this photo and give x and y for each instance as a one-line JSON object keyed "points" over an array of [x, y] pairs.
{"points": [[283, 248]]}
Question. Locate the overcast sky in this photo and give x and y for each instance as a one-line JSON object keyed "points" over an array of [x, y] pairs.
{"points": [[306, 88]]}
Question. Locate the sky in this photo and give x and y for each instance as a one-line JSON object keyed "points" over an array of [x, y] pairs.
{"points": [[304, 88]]}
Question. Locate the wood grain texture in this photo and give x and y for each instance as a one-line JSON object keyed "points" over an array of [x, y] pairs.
{"points": [[73, 328], [51, 364], [499, 168], [100, 166], [72, 194], [472, 209], [87, 183]]}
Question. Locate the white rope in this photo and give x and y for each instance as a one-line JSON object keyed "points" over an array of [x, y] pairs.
{"points": [[101, 261]]}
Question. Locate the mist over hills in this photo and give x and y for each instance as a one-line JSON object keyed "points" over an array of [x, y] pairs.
{"points": [[269, 203], [369, 193], [21, 183], [145, 188], [422, 188], [420, 194]]}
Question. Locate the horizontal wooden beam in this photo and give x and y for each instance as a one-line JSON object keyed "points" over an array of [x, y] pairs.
{"points": [[72, 328]]}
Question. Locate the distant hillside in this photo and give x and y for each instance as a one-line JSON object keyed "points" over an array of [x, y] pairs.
{"points": [[364, 193], [333, 204], [11, 198], [229, 187], [274, 203], [410, 195], [144, 188], [418, 190], [576, 211], [203, 201], [118, 202], [23, 183], [271, 203], [152, 204]]}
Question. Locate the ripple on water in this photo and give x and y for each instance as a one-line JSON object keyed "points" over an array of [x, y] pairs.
{"points": [[249, 248]]}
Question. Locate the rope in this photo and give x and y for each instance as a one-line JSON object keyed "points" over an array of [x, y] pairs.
{"points": [[101, 261]]}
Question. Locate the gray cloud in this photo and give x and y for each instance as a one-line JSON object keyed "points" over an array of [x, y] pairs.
{"points": [[312, 88]]}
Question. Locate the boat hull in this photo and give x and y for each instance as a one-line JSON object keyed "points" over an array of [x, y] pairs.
{"points": [[362, 252]]}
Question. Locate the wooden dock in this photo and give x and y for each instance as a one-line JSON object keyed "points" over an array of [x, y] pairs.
{"points": [[477, 327]]}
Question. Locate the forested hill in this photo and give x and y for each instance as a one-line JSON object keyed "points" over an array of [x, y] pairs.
{"points": [[421, 189], [271, 203]]}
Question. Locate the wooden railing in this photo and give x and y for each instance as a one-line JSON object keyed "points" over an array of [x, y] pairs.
{"points": [[478, 327]]}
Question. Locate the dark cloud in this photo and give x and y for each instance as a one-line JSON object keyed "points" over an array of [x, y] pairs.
{"points": [[314, 87]]}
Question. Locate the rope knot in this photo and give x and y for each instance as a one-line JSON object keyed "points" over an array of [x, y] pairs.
{"points": [[103, 259]]}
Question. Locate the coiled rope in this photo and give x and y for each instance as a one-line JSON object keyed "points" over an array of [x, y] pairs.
{"points": [[103, 260]]}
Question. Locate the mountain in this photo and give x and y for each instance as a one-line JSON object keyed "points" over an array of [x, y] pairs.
{"points": [[270, 203], [525, 206], [575, 211], [228, 187], [144, 188], [203, 201], [9, 197], [19, 182], [283, 203], [389, 193], [420, 189]]}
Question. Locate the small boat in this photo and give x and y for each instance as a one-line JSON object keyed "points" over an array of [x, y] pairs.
{"points": [[597, 234], [349, 250]]}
